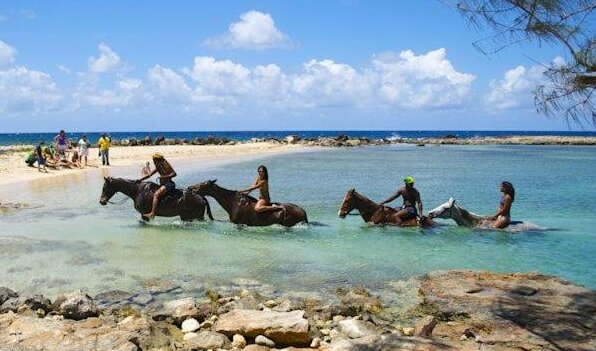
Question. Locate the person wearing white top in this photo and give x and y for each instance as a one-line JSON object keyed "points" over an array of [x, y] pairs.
{"points": [[84, 148]]}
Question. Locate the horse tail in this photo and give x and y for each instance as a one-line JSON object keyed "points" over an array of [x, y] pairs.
{"points": [[208, 207]]}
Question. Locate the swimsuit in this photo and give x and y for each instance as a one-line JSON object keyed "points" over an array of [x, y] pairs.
{"points": [[412, 212], [170, 186]]}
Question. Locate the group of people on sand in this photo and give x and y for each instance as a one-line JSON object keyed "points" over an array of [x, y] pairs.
{"points": [[411, 207], [63, 154], [412, 204]]}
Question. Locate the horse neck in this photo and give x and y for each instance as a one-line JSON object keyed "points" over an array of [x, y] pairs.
{"points": [[223, 196], [467, 218], [126, 187], [365, 206]]}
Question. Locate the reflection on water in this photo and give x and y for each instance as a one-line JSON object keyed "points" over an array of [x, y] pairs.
{"points": [[72, 242]]}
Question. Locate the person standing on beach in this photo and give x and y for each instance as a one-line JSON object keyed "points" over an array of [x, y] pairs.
{"points": [[262, 183], [104, 149], [503, 216], [62, 143], [412, 206], [83, 149], [166, 184], [41, 160]]}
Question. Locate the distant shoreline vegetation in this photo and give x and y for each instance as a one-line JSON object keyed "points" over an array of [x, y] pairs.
{"points": [[324, 137]]}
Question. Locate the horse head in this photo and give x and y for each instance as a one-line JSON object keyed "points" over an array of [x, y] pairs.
{"points": [[348, 204], [445, 210], [107, 191], [204, 188]]}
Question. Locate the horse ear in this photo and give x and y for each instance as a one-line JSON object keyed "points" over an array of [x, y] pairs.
{"points": [[212, 181], [352, 190], [451, 201]]}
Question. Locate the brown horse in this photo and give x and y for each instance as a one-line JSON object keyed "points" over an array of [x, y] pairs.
{"points": [[187, 205], [374, 213], [241, 207]]}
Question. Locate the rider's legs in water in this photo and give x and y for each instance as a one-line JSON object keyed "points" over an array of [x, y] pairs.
{"points": [[158, 194], [501, 222], [263, 206]]}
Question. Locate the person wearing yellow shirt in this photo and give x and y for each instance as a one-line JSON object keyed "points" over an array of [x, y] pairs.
{"points": [[104, 149]]}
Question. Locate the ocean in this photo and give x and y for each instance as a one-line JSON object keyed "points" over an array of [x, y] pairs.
{"points": [[34, 138], [69, 241]]}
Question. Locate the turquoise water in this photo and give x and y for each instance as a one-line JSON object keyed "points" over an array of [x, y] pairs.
{"points": [[73, 242]]}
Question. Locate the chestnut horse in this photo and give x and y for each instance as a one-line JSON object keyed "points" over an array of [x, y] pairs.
{"points": [[374, 213], [241, 207], [187, 205]]}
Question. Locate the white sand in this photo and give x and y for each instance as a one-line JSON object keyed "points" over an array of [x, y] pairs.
{"points": [[13, 168]]}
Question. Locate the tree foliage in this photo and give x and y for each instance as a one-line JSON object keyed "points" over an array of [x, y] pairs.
{"points": [[567, 23]]}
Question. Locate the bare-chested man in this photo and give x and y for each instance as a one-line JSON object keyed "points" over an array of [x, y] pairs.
{"points": [[412, 207]]}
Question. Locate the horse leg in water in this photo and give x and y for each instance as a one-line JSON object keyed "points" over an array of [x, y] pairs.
{"points": [[156, 197], [263, 206]]}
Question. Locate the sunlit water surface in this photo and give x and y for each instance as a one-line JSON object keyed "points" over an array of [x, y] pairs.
{"points": [[71, 241]]}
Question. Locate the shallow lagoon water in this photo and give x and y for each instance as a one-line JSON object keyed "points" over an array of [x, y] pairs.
{"points": [[72, 242]]}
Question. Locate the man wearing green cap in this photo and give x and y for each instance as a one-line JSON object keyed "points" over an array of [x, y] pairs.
{"points": [[412, 207]]}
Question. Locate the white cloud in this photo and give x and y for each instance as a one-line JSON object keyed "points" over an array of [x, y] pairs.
{"points": [[224, 77], [24, 90], [515, 89], [125, 93], [63, 69], [254, 31], [403, 80], [170, 85], [108, 60], [427, 80], [7, 54]]}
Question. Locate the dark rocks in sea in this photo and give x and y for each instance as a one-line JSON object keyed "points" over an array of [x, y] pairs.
{"points": [[453, 310], [344, 140]]}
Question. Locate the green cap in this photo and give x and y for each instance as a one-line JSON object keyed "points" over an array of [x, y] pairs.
{"points": [[409, 180]]}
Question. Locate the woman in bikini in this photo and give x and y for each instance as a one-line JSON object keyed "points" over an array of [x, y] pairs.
{"points": [[262, 183], [503, 216]]}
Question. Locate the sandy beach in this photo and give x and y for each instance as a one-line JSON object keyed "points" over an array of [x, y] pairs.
{"points": [[13, 168]]}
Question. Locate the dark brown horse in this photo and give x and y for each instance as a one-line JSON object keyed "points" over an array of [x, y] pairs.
{"points": [[188, 205], [241, 207], [374, 213]]}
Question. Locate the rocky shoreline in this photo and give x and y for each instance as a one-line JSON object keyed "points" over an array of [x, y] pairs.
{"points": [[345, 141], [450, 310]]}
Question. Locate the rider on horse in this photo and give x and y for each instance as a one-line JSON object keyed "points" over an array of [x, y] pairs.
{"points": [[412, 206], [262, 183], [166, 173]]}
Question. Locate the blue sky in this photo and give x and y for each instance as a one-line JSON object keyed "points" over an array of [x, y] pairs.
{"points": [[259, 65]]}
